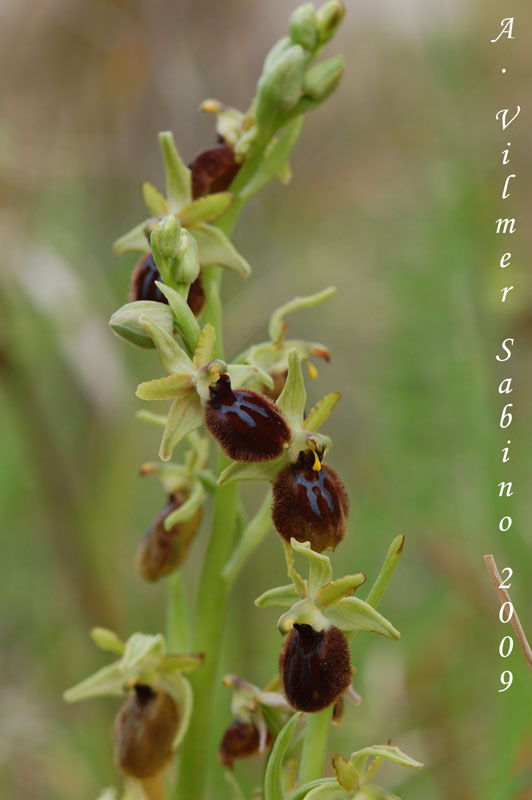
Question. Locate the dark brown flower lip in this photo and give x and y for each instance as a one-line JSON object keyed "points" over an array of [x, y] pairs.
{"points": [[213, 170]]}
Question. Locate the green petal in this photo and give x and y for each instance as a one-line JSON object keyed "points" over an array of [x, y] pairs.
{"points": [[205, 349], [346, 774], [352, 614], [205, 209], [107, 640], [185, 416], [293, 398], [381, 751], [321, 411], [334, 591], [165, 388], [178, 175], [216, 250], [240, 374], [283, 596]]}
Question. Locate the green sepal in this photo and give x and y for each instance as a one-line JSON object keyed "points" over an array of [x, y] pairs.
{"points": [[142, 650], [252, 471], [187, 509], [216, 250], [125, 322], [173, 359], [353, 614], [331, 593], [187, 267], [165, 388], [178, 175], [284, 596], [293, 398], [180, 662], [184, 320], [277, 325], [136, 240], [303, 29], [279, 48], [273, 785], [185, 416], [320, 570], [165, 239], [386, 752], [321, 411], [275, 159], [205, 209], [108, 680], [154, 200], [346, 774]]}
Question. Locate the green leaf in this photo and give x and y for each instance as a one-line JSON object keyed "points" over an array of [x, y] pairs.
{"points": [[273, 786], [381, 751], [320, 570], [172, 357], [334, 591], [178, 176], [352, 614], [205, 349], [134, 240], [292, 399], [205, 209], [154, 200], [216, 250], [276, 326], [283, 596], [346, 774], [185, 416], [165, 388], [252, 471], [185, 321], [321, 411], [125, 322], [274, 159]]}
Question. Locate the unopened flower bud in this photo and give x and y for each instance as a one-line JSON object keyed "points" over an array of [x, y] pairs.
{"points": [[303, 29], [213, 170], [247, 425], [279, 89], [144, 731], [315, 667], [187, 266], [321, 81], [167, 236], [309, 504], [162, 551], [240, 740], [328, 19]]}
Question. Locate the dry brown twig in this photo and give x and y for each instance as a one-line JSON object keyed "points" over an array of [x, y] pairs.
{"points": [[505, 597]]}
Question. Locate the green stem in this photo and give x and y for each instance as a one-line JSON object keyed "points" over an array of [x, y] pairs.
{"points": [[178, 635], [315, 745], [253, 534], [213, 594]]}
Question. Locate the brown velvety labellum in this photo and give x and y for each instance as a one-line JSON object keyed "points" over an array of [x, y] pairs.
{"points": [[213, 170], [161, 551], [142, 286], [144, 731], [315, 667], [248, 426], [312, 506], [241, 740]]}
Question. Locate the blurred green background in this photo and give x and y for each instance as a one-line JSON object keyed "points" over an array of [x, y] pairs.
{"points": [[397, 183]]}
